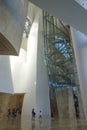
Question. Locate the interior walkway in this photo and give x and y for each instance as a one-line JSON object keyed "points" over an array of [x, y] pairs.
{"points": [[42, 124]]}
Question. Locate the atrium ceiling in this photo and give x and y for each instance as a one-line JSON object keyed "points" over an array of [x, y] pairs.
{"points": [[69, 12]]}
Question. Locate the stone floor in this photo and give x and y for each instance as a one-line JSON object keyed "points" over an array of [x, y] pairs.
{"points": [[42, 124]]}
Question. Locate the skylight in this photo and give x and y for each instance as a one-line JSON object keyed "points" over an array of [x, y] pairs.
{"points": [[61, 44]]}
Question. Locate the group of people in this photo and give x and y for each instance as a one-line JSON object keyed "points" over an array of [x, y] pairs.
{"points": [[34, 113], [14, 112]]}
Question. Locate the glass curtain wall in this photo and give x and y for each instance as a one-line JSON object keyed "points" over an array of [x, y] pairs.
{"points": [[61, 67]]}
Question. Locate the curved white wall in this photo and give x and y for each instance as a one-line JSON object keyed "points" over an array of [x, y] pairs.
{"points": [[13, 73], [37, 94], [30, 96], [27, 72], [12, 15], [6, 83], [42, 87], [80, 48]]}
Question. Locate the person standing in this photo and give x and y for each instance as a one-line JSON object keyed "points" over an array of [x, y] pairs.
{"points": [[33, 113], [40, 114]]}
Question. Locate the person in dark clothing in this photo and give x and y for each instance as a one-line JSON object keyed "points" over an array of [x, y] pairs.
{"points": [[33, 113]]}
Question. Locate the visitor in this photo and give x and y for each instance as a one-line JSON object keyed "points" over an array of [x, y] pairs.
{"points": [[40, 114], [33, 113]]}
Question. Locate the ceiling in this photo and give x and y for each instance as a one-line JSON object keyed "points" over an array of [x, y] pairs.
{"points": [[68, 11]]}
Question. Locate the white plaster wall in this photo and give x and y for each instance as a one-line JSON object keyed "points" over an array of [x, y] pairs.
{"points": [[27, 72], [20, 65], [30, 96], [42, 87], [19, 71], [31, 11], [13, 72], [37, 94], [80, 48], [19, 68], [6, 84]]}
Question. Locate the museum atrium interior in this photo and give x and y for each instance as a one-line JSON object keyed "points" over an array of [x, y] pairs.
{"points": [[43, 48]]}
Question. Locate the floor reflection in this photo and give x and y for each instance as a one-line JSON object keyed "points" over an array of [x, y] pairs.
{"points": [[26, 123]]}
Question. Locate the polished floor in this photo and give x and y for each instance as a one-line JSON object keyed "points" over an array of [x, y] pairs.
{"points": [[42, 124]]}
